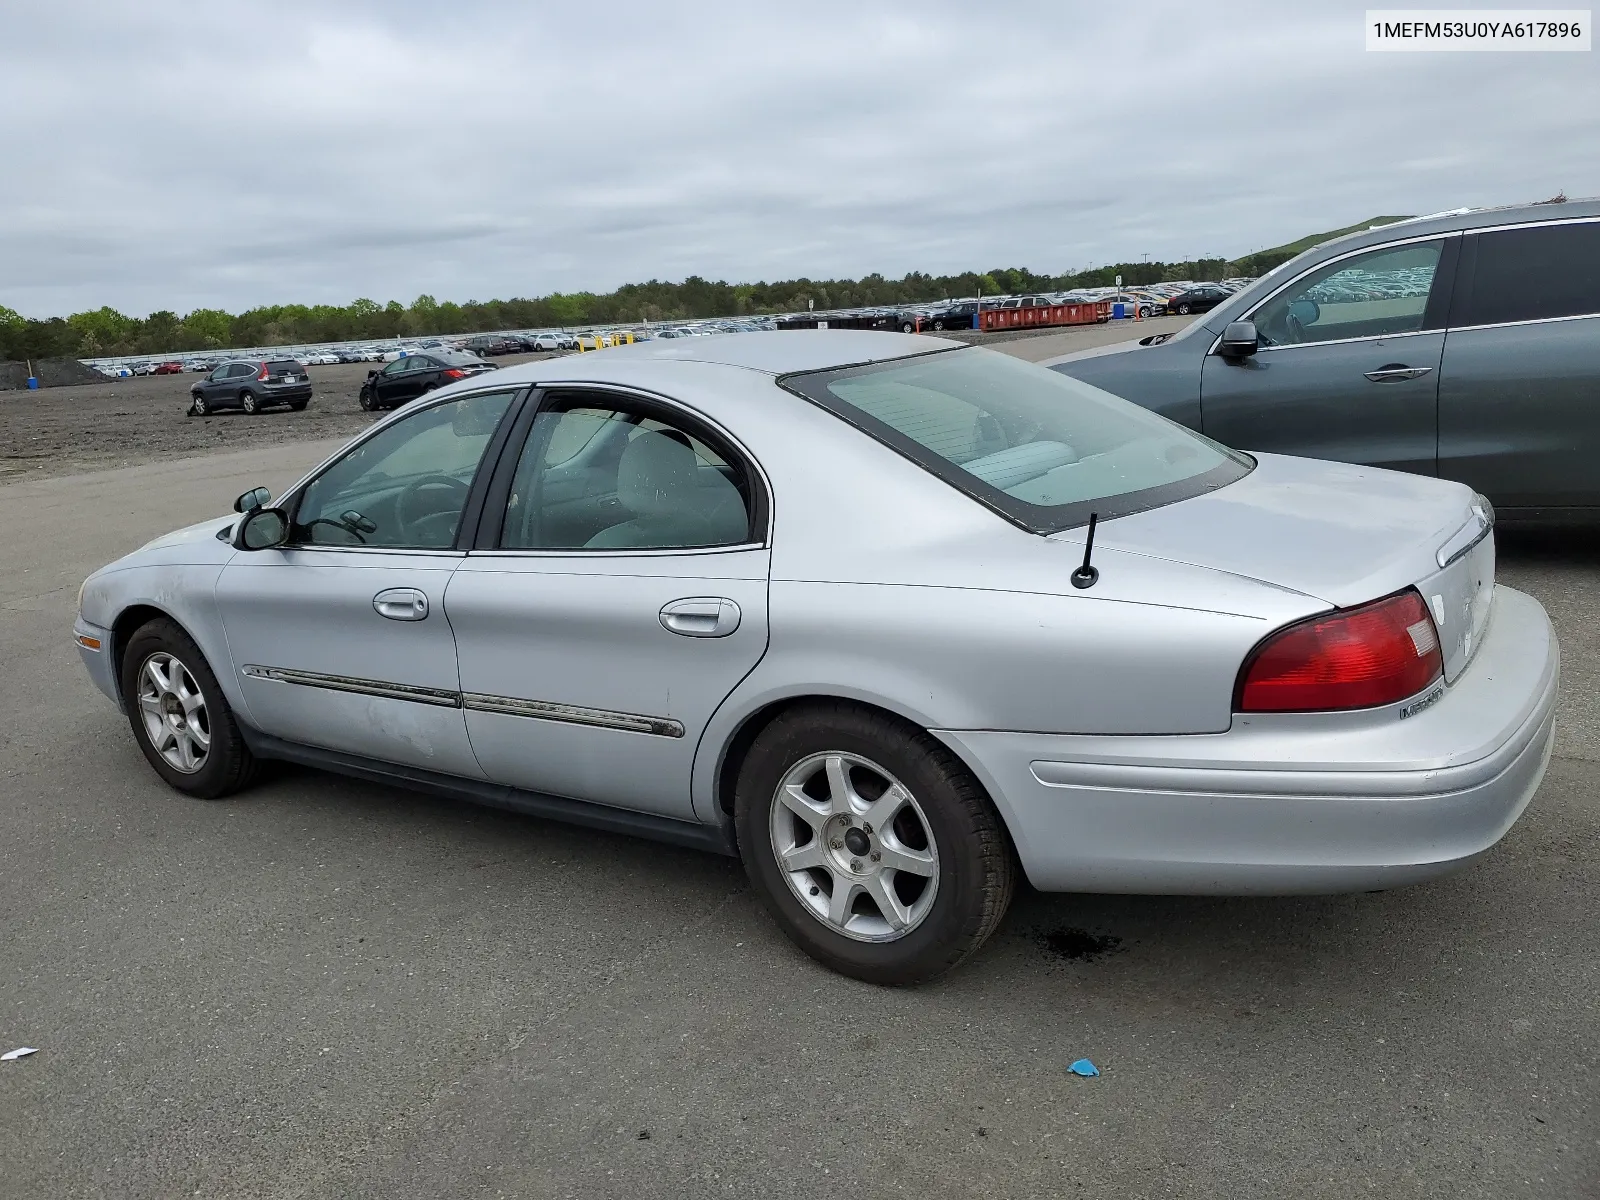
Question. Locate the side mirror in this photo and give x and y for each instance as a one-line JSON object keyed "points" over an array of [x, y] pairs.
{"points": [[1239, 340], [253, 499], [261, 529], [370, 374]]}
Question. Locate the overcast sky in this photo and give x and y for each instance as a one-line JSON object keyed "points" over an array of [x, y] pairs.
{"points": [[230, 153]]}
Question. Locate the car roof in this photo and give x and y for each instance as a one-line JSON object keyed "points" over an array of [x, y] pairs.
{"points": [[1462, 220], [777, 352]]}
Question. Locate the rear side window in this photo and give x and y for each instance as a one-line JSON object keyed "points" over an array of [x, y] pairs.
{"points": [[1532, 274], [1033, 444]]}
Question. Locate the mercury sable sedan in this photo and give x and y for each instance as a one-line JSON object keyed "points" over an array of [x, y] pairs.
{"points": [[895, 620]]}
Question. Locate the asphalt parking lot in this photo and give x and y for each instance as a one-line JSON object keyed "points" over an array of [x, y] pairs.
{"points": [[328, 988]]}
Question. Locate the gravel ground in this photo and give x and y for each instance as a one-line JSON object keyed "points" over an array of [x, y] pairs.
{"points": [[122, 422]]}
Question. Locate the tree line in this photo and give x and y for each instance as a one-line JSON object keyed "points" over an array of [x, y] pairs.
{"points": [[105, 332]]}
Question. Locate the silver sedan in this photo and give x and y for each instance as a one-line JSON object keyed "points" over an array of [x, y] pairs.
{"points": [[898, 621]]}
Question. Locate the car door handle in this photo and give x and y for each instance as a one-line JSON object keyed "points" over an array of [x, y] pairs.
{"points": [[401, 604], [1395, 372], [701, 616]]}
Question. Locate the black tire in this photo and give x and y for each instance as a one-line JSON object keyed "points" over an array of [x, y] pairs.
{"points": [[299, 405], [976, 866], [228, 765], [248, 402], [1183, 310], [197, 405], [907, 327], [367, 403], [939, 325]]}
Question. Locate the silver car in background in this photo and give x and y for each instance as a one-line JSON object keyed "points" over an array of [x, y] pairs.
{"points": [[896, 620]]}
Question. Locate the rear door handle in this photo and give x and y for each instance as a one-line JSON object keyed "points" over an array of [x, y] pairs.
{"points": [[701, 616], [1395, 372], [401, 604]]}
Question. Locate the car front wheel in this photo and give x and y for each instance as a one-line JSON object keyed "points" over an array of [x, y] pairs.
{"points": [[179, 715], [869, 842], [197, 405], [367, 403]]}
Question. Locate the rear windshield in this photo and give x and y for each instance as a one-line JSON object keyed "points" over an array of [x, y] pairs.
{"points": [[456, 358], [1037, 446], [283, 364]]}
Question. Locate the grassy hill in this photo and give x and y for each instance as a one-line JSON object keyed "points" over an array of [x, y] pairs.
{"points": [[1263, 261]]}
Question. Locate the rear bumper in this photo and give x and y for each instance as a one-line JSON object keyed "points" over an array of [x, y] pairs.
{"points": [[286, 395], [1292, 802]]}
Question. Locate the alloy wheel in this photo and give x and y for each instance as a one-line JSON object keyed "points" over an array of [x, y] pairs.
{"points": [[854, 846], [174, 713]]}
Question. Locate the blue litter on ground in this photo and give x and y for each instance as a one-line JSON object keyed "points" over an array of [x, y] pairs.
{"points": [[1084, 1067]]}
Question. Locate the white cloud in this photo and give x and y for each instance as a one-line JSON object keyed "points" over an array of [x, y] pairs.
{"points": [[183, 154]]}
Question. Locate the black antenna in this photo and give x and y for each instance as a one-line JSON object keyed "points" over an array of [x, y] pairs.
{"points": [[1086, 576]]}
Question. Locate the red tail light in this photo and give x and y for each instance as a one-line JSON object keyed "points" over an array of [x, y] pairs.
{"points": [[452, 373], [263, 376], [1358, 658]]}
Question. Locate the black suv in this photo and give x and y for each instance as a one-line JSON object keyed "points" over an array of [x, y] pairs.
{"points": [[252, 384], [409, 377]]}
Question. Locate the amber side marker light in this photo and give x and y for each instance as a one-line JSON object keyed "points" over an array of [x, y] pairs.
{"points": [[87, 642], [1363, 657]]}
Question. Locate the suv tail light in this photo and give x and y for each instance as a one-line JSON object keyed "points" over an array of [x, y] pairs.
{"points": [[263, 376], [1357, 658], [452, 373]]}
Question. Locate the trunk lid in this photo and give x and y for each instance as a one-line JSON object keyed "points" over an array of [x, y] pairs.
{"points": [[1340, 533]]}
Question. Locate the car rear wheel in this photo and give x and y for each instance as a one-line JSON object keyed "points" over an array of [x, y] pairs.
{"points": [[907, 327], [869, 842], [179, 715], [299, 405], [248, 401], [197, 405], [1183, 310]]}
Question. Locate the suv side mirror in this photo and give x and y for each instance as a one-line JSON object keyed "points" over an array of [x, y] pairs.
{"points": [[261, 529], [1239, 340], [253, 499]]}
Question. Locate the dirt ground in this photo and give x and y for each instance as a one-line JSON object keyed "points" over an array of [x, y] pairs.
{"points": [[123, 422]]}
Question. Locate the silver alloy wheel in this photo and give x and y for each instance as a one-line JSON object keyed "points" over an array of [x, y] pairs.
{"points": [[249, 403], [855, 846], [174, 713]]}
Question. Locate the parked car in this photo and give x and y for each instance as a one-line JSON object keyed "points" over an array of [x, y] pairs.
{"points": [[323, 358], [352, 355], [632, 601], [198, 364], [486, 344], [406, 378], [1203, 297], [1465, 346], [252, 385], [1144, 306]]}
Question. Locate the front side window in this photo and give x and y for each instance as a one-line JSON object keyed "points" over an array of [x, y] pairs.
{"points": [[1378, 294], [406, 486], [602, 476], [1532, 274], [1039, 447]]}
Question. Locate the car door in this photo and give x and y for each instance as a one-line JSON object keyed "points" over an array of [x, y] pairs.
{"points": [[339, 639], [1348, 364], [619, 596], [1519, 392], [386, 383], [211, 386]]}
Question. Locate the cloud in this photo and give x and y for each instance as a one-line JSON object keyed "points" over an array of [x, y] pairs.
{"points": [[178, 155]]}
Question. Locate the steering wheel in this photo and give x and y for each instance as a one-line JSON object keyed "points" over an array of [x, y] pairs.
{"points": [[407, 502]]}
